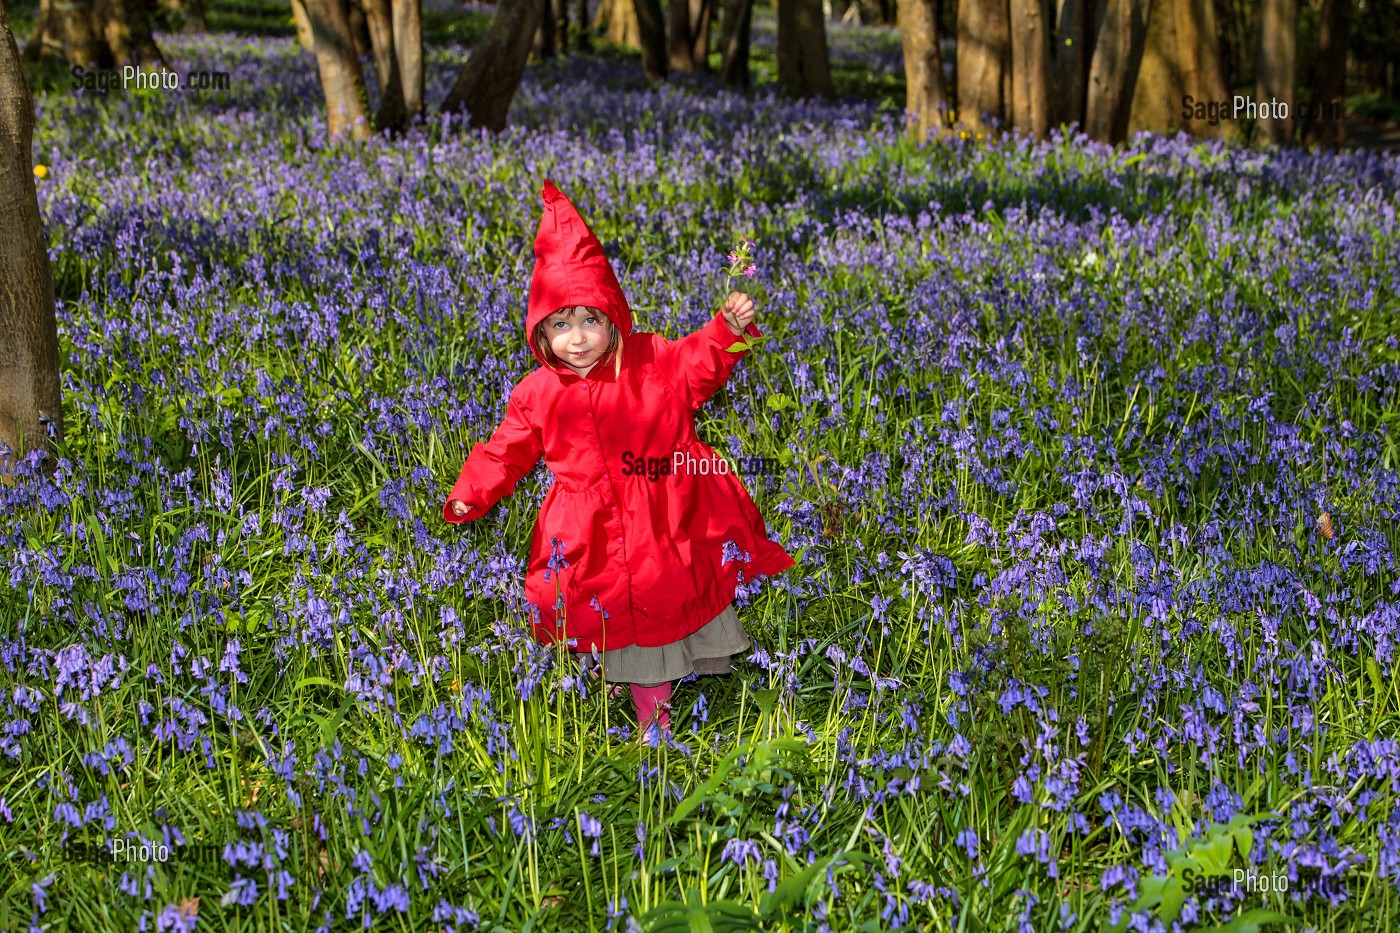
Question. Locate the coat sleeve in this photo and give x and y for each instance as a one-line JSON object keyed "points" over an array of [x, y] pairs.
{"points": [[699, 363], [495, 466]]}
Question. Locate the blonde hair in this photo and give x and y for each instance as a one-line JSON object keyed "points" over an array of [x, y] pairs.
{"points": [[614, 349]]}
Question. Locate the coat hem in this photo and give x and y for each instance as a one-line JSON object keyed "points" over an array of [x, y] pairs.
{"points": [[759, 568]]}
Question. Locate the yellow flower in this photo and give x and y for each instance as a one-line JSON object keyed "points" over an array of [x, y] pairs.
{"points": [[41, 171], [963, 135]]}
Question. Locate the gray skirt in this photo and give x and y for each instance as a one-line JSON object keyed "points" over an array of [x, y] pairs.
{"points": [[706, 651]]}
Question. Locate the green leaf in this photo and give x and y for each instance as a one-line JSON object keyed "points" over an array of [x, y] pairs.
{"points": [[778, 401], [1214, 856], [714, 917], [765, 699], [1251, 921]]}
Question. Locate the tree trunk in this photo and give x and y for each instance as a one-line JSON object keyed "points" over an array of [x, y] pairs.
{"points": [[303, 24], [560, 11], [392, 115], [408, 49], [1180, 67], [689, 30], [651, 27], [1113, 73], [803, 66], [984, 60], [487, 83], [1324, 127], [702, 14], [31, 403], [736, 22], [926, 97], [1205, 72], [104, 34], [339, 66], [359, 28], [128, 30], [542, 44], [1276, 69], [187, 15], [1070, 63], [583, 42], [680, 40], [1161, 81], [1229, 47], [622, 28], [67, 31], [1030, 66]]}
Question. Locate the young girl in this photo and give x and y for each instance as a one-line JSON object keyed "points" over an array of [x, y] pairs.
{"points": [[645, 533]]}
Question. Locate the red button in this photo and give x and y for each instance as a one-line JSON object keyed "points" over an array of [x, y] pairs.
{"points": [[619, 539], [614, 508]]}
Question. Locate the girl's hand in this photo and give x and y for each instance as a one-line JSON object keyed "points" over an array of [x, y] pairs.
{"points": [[458, 507], [738, 312]]}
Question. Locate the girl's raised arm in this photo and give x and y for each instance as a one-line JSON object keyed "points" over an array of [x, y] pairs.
{"points": [[495, 466], [700, 363]]}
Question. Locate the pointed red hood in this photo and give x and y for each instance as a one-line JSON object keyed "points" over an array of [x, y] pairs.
{"points": [[570, 269]]}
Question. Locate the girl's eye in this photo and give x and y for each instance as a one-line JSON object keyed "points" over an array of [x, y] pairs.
{"points": [[591, 320]]}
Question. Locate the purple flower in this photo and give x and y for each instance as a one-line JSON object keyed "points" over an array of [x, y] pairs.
{"points": [[39, 893], [556, 561], [740, 851]]}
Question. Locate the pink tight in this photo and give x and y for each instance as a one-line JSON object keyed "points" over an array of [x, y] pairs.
{"points": [[653, 701]]}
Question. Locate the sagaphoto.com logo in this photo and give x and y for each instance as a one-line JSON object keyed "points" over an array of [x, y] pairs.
{"points": [[102, 81]]}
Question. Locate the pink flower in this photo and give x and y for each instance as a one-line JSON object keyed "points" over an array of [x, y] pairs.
{"points": [[750, 270], [733, 258]]}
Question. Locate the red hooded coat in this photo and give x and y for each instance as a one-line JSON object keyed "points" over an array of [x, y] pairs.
{"points": [[651, 544]]}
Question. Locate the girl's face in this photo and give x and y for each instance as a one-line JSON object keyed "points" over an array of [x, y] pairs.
{"points": [[578, 336]]}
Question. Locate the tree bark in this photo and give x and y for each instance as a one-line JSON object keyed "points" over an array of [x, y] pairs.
{"points": [[359, 27], [1070, 63], [984, 61], [736, 22], [1030, 66], [339, 66], [67, 31], [1180, 60], [188, 15], [392, 115], [128, 30], [1205, 73], [651, 29], [803, 66], [680, 39], [1113, 73], [621, 19], [31, 403], [688, 26], [408, 49], [542, 44], [1276, 69], [104, 34], [487, 83], [926, 97], [702, 14], [583, 41], [560, 11], [1161, 76], [1327, 129], [303, 24]]}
